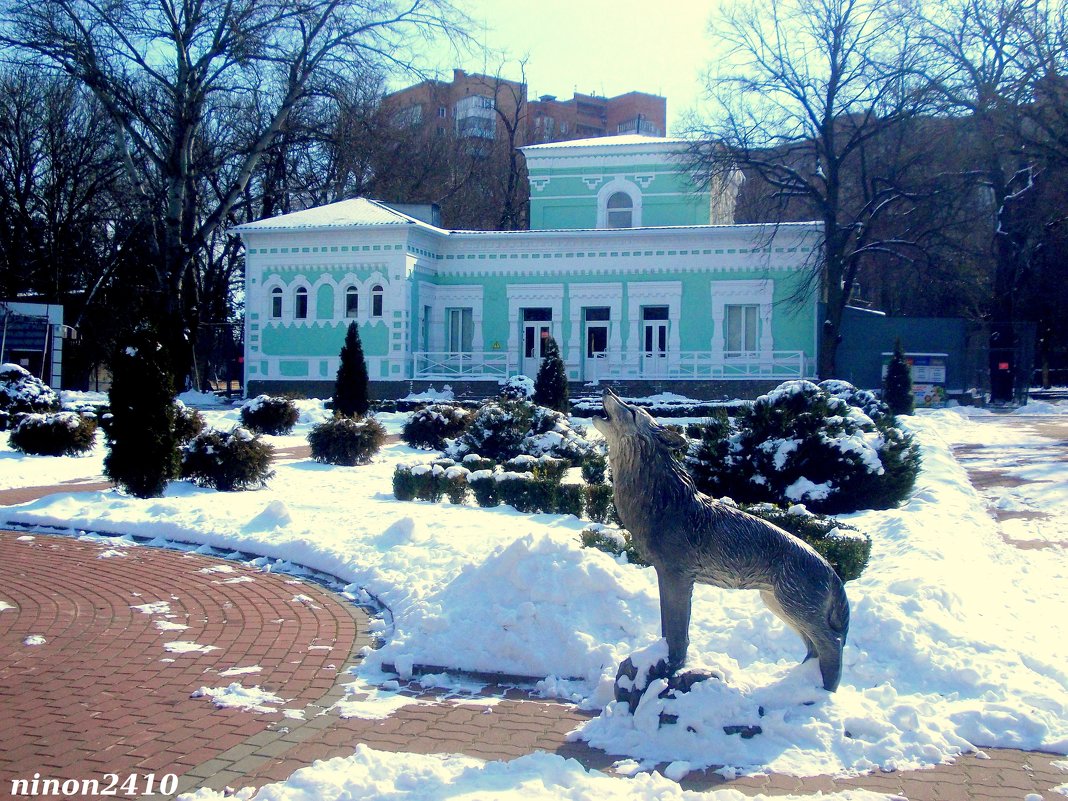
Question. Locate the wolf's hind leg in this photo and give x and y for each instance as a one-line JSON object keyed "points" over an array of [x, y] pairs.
{"points": [[676, 594]]}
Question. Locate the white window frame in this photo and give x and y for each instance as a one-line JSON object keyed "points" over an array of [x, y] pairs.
{"points": [[629, 188]]}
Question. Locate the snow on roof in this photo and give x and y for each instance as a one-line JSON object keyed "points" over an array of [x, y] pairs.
{"points": [[606, 141], [343, 214]]}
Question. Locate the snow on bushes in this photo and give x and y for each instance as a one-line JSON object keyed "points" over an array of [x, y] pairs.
{"points": [[59, 434], [265, 414], [431, 426], [346, 441], [188, 422], [518, 387], [228, 461], [20, 391], [496, 431], [803, 443]]}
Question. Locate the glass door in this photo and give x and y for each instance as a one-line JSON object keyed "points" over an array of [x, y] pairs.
{"points": [[595, 363], [537, 328], [654, 341]]}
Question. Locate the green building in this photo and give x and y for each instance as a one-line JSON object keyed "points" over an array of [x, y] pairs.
{"points": [[624, 265]]}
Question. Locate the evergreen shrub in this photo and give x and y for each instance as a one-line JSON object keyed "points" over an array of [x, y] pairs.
{"points": [[473, 462], [614, 541], [351, 388], [595, 468], [431, 426], [844, 546], [518, 387], [897, 386], [550, 386], [403, 483], [802, 444], [346, 441], [187, 423], [22, 392], [527, 492], [143, 452], [266, 414], [598, 501], [496, 431], [484, 487], [58, 434], [228, 461], [569, 500]]}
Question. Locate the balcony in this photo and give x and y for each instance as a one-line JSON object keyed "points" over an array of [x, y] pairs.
{"points": [[496, 365]]}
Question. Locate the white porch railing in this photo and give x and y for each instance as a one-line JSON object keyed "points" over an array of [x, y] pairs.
{"points": [[490, 364], [679, 366]]}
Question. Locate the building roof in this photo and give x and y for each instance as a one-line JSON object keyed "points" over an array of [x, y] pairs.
{"points": [[343, 214], [626, 140]]}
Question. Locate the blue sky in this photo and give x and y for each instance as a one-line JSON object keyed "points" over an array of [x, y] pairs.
{"points": [[604, 47]]}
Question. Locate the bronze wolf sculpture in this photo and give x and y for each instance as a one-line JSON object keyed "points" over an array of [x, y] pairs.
{"points": [[689, 537]]}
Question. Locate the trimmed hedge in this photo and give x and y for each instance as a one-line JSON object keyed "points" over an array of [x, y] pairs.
{"points": [[59, 434], [346, 441], [188, 423], [228, 461], [265, 414]]}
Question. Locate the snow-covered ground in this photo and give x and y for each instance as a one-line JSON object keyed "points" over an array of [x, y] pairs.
{"points": [[959, 639]]}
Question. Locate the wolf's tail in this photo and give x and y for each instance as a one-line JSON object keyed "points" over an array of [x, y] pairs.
{"points": [[838, 614]]}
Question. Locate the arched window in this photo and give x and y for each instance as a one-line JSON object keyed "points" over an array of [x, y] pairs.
{"points": [[300, 306], [276, 303], [352, 301], [619, 212], [376, 300]]}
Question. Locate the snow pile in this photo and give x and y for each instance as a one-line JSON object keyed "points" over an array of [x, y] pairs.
{"points": [[958, 639], [430, 395], [20, 391], [370, 774]]}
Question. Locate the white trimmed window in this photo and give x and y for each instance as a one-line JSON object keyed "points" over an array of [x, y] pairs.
{"points": [[377, 295], [276, 303], [619, 211], [300, 304], [742, 322], [459, 330], [352, 302]]}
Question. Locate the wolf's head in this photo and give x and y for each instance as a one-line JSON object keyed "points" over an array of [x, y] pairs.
{"points": [[626, 425]]}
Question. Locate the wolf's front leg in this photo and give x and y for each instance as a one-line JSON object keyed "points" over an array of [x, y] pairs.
{"points": [[676, 593]]}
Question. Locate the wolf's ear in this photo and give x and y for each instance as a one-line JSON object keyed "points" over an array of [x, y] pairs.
{"points": [[672, 439]]}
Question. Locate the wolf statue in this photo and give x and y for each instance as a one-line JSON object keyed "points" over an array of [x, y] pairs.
{"points": [[689, 537]]}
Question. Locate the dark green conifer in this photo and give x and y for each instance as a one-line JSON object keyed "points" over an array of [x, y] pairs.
{"points": [[351, 397], [897, 386], [143, 453], [550, 386]]}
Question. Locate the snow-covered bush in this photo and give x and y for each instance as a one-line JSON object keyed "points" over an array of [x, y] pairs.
{"points": [[59, 434], [864, 399], [265, 414], [551, 434], [518, 387], [429, 482], [20, 391], [431, 426], [844, 546], [188, 422], [496, 431], [346, 441], [473, 461], [228, 461], [802, 444], [595, 468], [544, 466], [615, 541], [484, 487]]}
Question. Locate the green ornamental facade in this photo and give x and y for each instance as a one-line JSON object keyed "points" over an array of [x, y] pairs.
{"points": [[621, 266]]}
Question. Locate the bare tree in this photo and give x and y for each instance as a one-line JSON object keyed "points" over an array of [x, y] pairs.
{"points": [[808, 87], [987, 63], [199, 88]]}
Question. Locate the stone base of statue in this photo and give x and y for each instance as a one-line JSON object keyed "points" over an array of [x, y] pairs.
{"points": [[635, 675]]}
